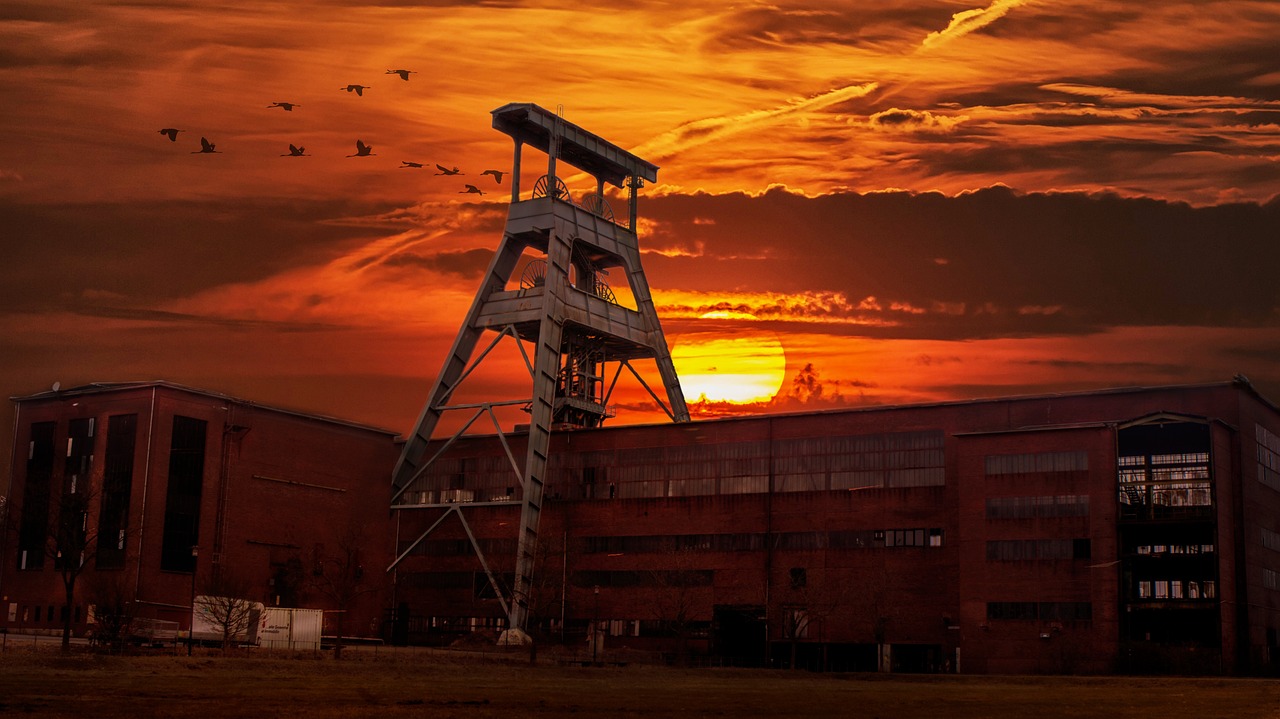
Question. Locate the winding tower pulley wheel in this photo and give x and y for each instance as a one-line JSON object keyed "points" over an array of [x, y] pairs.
{"points": [[534, 275], [558, 191]]}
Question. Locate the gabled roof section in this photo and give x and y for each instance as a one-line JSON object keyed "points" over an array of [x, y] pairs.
{"points": [[533, 125], [105, 387], [1164, 418]]}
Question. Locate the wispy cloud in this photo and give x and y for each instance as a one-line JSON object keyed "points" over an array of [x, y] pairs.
{"points": [[963, 23], [1119, 96], [699, 132]]}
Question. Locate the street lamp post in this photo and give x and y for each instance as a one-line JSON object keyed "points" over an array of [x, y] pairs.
{"points": [[191, 631], [595, 624]]}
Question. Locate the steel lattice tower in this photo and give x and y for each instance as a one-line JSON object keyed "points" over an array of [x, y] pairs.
{"points": [[562, 307]]}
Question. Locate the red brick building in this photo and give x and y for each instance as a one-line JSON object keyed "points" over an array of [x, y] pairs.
{"points": [[1122, 530], [270, 499]]}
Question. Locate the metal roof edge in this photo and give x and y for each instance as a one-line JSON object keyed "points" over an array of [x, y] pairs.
{"points": [[104, 387]]}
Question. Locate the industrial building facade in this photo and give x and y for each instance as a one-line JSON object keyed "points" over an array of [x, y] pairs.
{"points": [[1122, 530], [154, 493]]}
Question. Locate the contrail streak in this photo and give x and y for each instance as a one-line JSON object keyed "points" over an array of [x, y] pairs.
{"points": [[963, 23], [699, 132]]}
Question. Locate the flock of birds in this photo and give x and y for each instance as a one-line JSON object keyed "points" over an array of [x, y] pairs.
{"points": [[362, 150]]}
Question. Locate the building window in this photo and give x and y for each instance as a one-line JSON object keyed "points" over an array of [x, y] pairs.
{"points": [[1164, 470], [1268, 457], [117, 483], [34, 528], [1068, 505], [1040, 463], [799, 578], [1177, 588], [1270, 539], [182, 502], [795, 623], [905, 538]]}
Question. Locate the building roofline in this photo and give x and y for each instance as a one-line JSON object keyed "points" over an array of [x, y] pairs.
{"points": [[1038, 428], [105, 387], [1238, 381]]}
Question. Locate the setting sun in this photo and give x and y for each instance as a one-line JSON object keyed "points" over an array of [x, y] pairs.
{"points": [[729, 364]]}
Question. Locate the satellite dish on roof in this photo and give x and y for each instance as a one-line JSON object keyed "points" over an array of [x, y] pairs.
{"points": [[57, 386]]}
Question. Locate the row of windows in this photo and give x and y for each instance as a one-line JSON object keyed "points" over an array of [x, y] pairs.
{"points": [[1005, 550], [1164, 474], [1182, 494], [478, 582], [1053, 506], [612, 627], [903, 459], [1043, 611], [657, 489], [677, 543], [1039, 463], [1156, 460], [656, 544], [1167, 549], [1177, 589], [37, 614]]}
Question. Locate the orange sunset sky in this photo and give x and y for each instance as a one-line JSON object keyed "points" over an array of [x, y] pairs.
{"points": [[858, 202]]}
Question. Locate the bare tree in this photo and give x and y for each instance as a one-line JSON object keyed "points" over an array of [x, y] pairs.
{"points": [[810, 599], [112, 599], [225, 607], [674, 599], [339, 576], [71, 540]]}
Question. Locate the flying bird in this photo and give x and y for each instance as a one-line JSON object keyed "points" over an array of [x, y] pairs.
{"points": [[362, 150], [357, 89], [406, 164], [205, 147], [296, 151], [286, 106], [404, 74], [497, 175], [446, 171], [172, 132], [470, 190]]}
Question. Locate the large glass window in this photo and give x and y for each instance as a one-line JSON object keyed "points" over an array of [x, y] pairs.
{"points": [[1164, 471], [34, 530], [71, 532], [182, 502], [117, 483]]}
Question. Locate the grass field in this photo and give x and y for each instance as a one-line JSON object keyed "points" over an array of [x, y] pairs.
{"points": [[43, 684]]}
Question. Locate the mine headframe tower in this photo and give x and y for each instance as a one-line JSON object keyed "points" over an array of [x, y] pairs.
{"points": [[562, 307]]}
